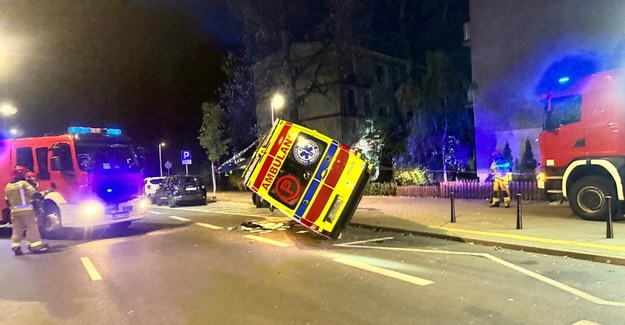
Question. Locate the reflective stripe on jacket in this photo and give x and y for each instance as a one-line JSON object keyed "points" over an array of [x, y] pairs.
{"points": [[19, 195]]}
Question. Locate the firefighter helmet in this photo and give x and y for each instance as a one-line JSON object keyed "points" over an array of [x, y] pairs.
{"points": [[19, 173], [31, 178]]}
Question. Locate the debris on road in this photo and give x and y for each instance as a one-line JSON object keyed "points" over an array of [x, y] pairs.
{"points": [[262, 226], [232, 228]]}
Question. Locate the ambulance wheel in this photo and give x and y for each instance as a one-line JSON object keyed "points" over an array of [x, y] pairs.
{"points": [[587, 198], [50, 221], [256, 200]]}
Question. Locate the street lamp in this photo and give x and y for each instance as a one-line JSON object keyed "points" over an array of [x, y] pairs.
{"points": [[160, 158], [277, 102], [6, 109]]}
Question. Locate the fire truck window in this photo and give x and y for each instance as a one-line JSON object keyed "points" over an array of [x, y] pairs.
{"points": [[564, 110], [61, 157], [25, 157], [42, 162]]}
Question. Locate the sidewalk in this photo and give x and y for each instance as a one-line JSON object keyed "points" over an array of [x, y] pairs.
{"points": [[547, 228]]}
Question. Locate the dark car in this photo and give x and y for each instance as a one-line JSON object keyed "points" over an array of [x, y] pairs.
{"points": [[179, 190]]}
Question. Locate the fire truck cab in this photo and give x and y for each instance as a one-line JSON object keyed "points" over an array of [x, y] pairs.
{"points": [[95, 174], [582, 144]]}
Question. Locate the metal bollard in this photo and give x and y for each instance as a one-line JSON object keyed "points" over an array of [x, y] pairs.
{"points": [[453, 207], [519, 212], [609, 231]]}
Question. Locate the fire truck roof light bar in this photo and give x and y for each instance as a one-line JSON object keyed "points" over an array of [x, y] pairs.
{"points": [[86, 130]]}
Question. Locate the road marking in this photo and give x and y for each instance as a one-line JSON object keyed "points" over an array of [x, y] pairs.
{"points": [[364, 241], [180, 218], [155, 212], [217, 212], [208, 225], [385, 272], [585, 322], [539, 277], [93, 273], [302, 231], [534, 239], [250, 214], [268, 241]]}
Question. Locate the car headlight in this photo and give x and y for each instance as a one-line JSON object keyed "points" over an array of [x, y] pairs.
{"points": [[90, 210], [144, 204]]}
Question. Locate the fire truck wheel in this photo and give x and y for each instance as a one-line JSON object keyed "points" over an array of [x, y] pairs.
{"points": [[587, 198], [50, 222]]}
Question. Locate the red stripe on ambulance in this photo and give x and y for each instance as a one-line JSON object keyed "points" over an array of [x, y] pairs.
{"points": [[283, 134], [268, 172], [337, 168], [319, 203]]}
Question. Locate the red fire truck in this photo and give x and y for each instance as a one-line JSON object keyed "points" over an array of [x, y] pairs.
{"points": [[95, 172], [582, 144]]}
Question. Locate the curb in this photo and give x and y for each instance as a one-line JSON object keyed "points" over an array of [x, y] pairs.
{"points": [[518, 247]]}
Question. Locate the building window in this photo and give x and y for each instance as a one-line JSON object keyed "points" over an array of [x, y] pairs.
{"points": [[352, 101], [380, 72], [366, 101], [382, 111]]}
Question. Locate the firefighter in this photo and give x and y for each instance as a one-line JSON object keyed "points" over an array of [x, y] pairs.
{"points": [[501, 177], [18, 196]]}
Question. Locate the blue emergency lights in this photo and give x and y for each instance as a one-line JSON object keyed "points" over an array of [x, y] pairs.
{"points": [[88, 130], [563, 80]]}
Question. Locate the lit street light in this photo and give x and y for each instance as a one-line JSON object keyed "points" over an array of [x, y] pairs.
{"points": [[277, 102], [6, 109], [160, 158]]}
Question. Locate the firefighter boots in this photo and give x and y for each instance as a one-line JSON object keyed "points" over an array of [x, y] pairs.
{"points": [[17, 251]]}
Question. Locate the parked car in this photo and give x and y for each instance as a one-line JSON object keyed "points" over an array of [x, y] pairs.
{"points": [[150, 185], [181, 189]]}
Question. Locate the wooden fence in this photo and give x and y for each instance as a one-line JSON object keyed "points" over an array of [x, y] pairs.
{"points": [[471, 190]]}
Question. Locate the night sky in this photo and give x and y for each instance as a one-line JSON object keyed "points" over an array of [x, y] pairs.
{"points": [[144, 66]]}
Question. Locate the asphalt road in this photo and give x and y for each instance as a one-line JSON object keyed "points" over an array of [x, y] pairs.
{"points": [[183, 266]]}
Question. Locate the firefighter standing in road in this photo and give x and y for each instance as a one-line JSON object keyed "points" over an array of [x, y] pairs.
{"points": [[501, 177], [18, 196]]}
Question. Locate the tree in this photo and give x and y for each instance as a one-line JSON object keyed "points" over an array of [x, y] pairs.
{"points": [[439, 118], [236, 96], [212, 136], [507, 153], [275, 29], [527, 163]]}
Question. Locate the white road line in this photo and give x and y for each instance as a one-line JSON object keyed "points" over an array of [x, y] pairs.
{"points": [[385, 272], [211, 211], [180, 218], [364, 241], [268, 241], [585, 322], [155, 212], [539, 277], [93, 273], [208, 225]]}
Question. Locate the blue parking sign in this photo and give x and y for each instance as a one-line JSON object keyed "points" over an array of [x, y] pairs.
{"points": [[185, 156]]}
